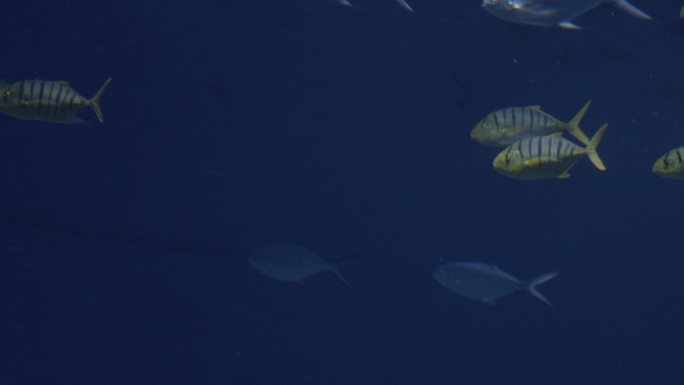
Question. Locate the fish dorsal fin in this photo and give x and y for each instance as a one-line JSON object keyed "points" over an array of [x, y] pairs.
{"points": [[534, 108], [62, 82], [538, 281]]}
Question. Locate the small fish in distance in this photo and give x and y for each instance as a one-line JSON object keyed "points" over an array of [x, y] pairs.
{"points": [[509, 125], [485, 282], [552, 13], [46, 100], [671, 164], [543, 157], [403, 3], [290, 263]]}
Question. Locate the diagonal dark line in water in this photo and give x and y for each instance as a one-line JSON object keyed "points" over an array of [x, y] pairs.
{"points": [[118, 236]]}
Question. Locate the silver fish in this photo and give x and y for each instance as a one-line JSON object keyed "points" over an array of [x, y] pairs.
{"points": [[552, 13], [485, 282], [403, 4], [291, 263]]}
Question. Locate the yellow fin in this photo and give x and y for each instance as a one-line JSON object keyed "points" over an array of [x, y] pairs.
{"points": [[573, 125], [94, 103], [563, 175], [591, 148]]}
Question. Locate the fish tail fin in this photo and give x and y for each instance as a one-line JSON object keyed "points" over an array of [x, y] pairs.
{"points": [[538, 281], [591, 148], [339, 275], [631, 9], [405, 5], [95, 101], [574, 128]]}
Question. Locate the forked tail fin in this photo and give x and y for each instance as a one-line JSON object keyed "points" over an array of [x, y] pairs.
{"points": [[95, 101], [573, 125], [591, 148], [339, 275], [538, 281]]}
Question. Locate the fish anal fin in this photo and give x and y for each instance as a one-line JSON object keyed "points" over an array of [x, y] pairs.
{"points": [[75, 119]]}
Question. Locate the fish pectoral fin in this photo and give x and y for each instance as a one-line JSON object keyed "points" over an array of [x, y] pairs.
{"points": [[563, 175]]}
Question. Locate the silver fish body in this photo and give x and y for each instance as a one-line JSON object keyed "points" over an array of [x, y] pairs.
{"points": [[485, 282], [289, 263], [403, 4], [552, 13]]}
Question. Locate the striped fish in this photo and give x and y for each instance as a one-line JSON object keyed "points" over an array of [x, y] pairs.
{"points": [[543, 157], [52, 101], [671, 165], [504, 127], [403, 3]]}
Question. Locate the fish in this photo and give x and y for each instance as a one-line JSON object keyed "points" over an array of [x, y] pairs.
{"points": [[485, 282], [289, 263], [504, 127], [671, 164], [552, 13], [543, 157], [403, 4], [47, 100]]}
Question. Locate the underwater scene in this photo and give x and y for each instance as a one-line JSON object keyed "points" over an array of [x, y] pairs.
{"points": [[359, 192]]}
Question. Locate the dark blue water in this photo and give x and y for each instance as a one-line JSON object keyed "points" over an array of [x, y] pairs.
{"points": [[230, 125]]}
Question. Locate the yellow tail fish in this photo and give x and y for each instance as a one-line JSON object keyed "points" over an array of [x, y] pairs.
{"points": [[504, 127], [543, 157], [52, 101]]}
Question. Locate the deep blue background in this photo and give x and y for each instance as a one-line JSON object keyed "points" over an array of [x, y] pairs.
{"points": [[235, 124]]}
